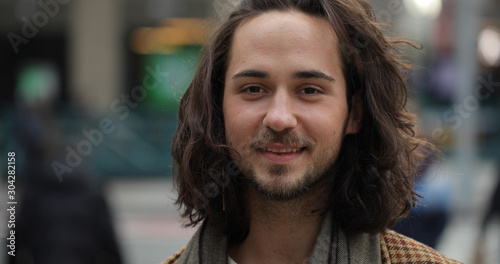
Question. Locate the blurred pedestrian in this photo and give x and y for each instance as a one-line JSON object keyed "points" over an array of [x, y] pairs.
{"points": [[58, 220]]}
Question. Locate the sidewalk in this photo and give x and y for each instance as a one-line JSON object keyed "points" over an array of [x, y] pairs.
{"points": [[147, 222]]}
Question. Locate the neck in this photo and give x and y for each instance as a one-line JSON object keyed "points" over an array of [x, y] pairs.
{"points": [[281, 231]]}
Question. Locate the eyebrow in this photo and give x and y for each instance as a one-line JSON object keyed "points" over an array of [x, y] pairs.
{"points": [[312, 74], [252, 73], [306, 74]]}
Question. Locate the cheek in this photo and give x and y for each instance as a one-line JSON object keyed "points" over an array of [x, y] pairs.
{"points": [[326, 120], [239, 124], [327, 137]]}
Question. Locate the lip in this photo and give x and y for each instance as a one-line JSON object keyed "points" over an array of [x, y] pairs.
{"points": [[280, 153]]}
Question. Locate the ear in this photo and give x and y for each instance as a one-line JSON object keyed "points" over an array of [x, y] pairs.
{"points": [[355, 121]]}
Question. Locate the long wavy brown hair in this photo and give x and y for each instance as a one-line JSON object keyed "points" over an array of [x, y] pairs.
{"points": [[375, 171]]}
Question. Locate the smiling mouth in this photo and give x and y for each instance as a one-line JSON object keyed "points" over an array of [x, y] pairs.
{"points": [[283, 155], [283, 150]]}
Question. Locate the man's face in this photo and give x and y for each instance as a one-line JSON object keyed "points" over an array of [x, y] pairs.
{"points": [[285, 106]]}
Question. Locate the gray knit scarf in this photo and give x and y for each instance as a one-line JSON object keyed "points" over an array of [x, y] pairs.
{"points": [[333, 246]]}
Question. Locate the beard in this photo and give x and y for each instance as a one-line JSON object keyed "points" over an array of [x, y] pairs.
{"points": [[280, 191], [279, 187]]}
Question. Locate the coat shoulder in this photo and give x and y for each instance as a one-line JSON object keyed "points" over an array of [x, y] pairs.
{"points": [[399, 249], [175, 257]]}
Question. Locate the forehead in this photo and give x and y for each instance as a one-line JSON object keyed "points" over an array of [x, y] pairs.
{"points": [[292, 22], [291, 37]]}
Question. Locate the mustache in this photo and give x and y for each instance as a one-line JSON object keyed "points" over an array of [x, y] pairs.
{"points": [[288, 138]]}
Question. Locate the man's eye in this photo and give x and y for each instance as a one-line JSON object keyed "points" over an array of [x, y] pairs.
{"points": [[309, 90], [254, 89]]}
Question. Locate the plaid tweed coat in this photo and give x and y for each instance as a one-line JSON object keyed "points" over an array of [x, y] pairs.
{"points": [[395, 249]]}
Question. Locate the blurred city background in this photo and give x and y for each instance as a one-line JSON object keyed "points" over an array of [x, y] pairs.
{"points": [[89, 92]]}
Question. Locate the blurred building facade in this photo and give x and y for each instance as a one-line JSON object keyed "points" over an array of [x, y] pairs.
{"points": [[101, 66]]}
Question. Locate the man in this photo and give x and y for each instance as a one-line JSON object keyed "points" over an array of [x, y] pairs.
{"points": [[294, 144]]}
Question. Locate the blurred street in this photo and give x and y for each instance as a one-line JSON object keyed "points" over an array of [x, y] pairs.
{"points": [[147, 223]]}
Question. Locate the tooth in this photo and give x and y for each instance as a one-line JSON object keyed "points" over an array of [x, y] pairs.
{"points": [[287, 150]]}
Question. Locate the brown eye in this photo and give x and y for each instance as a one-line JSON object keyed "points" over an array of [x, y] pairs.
{"points": [[309, 90], [254, 89]]}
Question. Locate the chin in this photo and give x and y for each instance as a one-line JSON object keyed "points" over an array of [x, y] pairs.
{"points": [[275, 193], [283, 187]]}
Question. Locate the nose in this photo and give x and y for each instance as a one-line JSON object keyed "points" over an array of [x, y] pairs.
{"points": [[280, 113]]}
